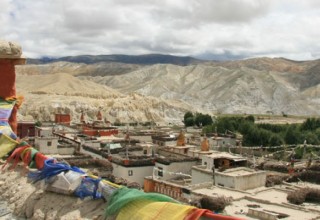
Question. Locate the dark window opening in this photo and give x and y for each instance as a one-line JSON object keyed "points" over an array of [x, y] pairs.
{"points": [[160, 171]]}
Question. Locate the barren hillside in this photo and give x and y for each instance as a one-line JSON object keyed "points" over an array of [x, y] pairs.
{"points": [[48, 94], [253, 86], [219, 89], [78, 69]]}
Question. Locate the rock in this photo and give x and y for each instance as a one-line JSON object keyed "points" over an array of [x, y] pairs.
{"points": [[10, 50]]}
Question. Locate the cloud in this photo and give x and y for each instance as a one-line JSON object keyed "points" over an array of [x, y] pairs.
{"points": [[229, 10], [230, 28], [4, 9]]}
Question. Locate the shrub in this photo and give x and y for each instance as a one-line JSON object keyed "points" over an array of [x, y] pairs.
{"points": [[305, 194], [216, 204]]}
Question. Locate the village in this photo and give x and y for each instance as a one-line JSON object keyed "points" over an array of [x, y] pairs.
{"points": [[79, 168], [180, 162]]}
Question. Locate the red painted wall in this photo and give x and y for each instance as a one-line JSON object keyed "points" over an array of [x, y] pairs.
{"points": [[26, 129], [62, 119], [92, 132], [8, 87]]}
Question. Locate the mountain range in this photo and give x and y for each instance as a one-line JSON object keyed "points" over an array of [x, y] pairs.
{"points": [[162, 88], [147, 59]]}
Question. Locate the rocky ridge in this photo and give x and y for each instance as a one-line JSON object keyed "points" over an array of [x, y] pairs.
{"points": [[48, 94], [163, 92]]}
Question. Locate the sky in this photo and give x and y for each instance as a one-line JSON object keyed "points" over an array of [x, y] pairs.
{"points": [[208, 29]]}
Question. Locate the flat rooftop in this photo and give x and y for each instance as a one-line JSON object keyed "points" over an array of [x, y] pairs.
{"points": [[109, 138], [273, 195], [181, 147], [293, 213], [241, 172], [270, 199], [219, 191], [217, 155]]}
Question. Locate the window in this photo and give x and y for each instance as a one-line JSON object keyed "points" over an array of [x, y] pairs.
{"points": [[145, 151], [130, 172], [49, 143], [160, 171]]}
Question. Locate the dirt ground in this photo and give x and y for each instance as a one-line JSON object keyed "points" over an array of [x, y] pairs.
{"points": [[29, 201]]}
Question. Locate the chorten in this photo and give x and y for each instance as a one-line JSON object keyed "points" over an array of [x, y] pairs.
{"points": [[181, 139], [10, 55], [99, 116], [82, 118], [205, 144]]}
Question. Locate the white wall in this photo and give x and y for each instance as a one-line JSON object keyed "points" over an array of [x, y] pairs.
{"points": [[175, 167], [44, 131], [224, 180], [43, 145], [251, 181], [138, 173], [241, 182], [208, 162], [201, 176]]}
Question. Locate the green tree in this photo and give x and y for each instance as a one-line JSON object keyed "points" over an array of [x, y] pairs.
{"points": [[208, 129], [311, 138], [245, 127], [38, 123], [225, 123], [275, 140], [293, 135], [264, 136], [310, 124], [201, 119], [252, 137], [189, 122], [188, 119], [317, 132], [250, 118]]}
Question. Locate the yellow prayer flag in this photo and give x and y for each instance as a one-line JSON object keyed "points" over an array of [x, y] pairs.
{"points": [[146, 210], [7, 144]]}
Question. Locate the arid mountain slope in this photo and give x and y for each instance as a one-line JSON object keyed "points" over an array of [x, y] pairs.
{"points": [[48, 94], [270, 64], [219, 89], [63, 84], [78, 69], [253, 86]]}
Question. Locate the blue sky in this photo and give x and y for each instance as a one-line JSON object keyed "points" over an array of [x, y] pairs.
{"points": [[212, 29]]}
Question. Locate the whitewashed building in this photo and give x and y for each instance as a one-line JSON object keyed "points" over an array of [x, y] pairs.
{"points": [[169, 164], [132, 168]]}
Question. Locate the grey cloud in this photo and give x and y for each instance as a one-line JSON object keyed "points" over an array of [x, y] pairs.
{"points": [[89, 19], [210, 28], [225, 55], [197, 12], [230, 10], [4, 9]]}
